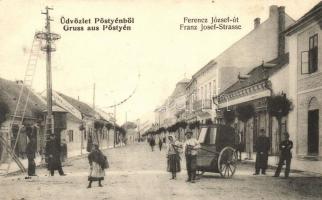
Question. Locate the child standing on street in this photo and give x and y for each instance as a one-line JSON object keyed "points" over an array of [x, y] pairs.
{"points": [[98, 162]]}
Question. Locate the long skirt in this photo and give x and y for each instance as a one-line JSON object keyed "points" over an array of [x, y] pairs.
{"points": [[173, 163], [96, 173]]}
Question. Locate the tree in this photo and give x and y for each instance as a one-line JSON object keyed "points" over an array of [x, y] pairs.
{"points": [[244, 113], [279, 106]]}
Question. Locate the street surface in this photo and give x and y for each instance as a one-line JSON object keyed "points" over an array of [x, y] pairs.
{"points": [[137, 173]]}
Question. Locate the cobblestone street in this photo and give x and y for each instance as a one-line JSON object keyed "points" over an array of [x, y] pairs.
{"points": [[137, 173]]}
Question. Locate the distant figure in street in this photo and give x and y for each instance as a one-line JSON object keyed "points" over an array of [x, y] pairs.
{"points": [[190, 147], [98, 163], [285, 156], [31, 154], [164, 140], [152, 143], [160, 144], [173, 157], [63, 152], [53, 154], [262, 147]]}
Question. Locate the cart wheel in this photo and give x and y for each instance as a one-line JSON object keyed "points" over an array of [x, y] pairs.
{"points": [[227, 162]]}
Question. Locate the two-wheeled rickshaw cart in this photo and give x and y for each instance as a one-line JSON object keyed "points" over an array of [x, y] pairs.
{"points": [[217, 153]]}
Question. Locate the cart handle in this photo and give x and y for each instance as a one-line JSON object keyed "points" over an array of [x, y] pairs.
{"points": [[199, 148]]}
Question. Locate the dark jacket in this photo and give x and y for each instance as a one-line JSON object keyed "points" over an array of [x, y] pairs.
{"points": [[98, 157], [31, 150], [262, 144], [285, 147], [53, 154]]}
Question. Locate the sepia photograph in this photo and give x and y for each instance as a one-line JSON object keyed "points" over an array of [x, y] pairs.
{"points": [[160, 100]]}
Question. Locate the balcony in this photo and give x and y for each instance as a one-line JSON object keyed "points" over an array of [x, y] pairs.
{"points": [[202, 105]]}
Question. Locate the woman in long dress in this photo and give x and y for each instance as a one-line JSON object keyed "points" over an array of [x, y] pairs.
{"points": [[97, 162], [173, 157]]}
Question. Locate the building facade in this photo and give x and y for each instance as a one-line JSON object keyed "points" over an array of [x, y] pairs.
{"points": [[305, 46]]}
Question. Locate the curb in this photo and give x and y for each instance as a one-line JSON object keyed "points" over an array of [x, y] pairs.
{"points": [[274, 167], [41, 165]]}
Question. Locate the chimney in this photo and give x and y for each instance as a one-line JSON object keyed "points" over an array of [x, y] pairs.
{"points": [[257, 22], [281, 29], [273, 10]]}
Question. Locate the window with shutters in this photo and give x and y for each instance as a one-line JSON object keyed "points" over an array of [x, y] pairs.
{"points": [[313, 54]]}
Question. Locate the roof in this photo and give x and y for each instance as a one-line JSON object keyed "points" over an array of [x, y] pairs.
{"points": [[314, 13], [209, 65], [259, 74], [81, 106], [9, 94], [180, 88]]}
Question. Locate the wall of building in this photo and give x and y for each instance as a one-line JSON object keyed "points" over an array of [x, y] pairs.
{"points": [[292, 91], [308, 86], [261, 44], [72, 136]]}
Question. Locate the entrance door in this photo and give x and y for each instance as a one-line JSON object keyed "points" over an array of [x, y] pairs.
{"points": [[313, 132]]}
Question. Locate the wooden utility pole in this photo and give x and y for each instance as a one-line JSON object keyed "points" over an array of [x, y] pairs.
{"points": [[49, 38], [94, 96], [115, 134], [48, 72]]}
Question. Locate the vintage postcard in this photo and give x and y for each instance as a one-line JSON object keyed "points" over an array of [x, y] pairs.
{"points": [[173, 99]]}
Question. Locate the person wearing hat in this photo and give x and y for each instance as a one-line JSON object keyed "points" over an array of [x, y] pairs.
{"points": [[285, 156], [98, 163], [53, 156], [262, 148], [173, 156], [190, 147]]}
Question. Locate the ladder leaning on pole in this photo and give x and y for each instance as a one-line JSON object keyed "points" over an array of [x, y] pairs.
{"points": [[21, 106]]}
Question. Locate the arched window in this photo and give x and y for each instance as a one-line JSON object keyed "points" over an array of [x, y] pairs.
{"points": [[313, 104]]}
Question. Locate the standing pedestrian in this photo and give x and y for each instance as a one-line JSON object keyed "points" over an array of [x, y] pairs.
{"points": [[262, 147], [160, 143], [240, 146], [152, 143], [190, 149], [63, 152], [173, 157], [285, 156], [31, 154], [98, 162], [53, 154]]}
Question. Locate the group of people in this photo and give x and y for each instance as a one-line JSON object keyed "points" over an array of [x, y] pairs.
{"points": [[152, 142], [97, 160], [191, 145], [263, 146]]}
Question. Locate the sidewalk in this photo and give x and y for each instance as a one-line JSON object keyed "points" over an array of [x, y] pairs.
{"points": [[14, 167], [309, 166]]}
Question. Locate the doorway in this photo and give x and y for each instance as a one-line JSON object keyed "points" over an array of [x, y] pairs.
{"points": [[313, 132]]}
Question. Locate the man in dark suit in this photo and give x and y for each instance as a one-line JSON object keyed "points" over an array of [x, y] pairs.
{"points": [[30, 151], [262, 147], [285, 156], [53, 154]]}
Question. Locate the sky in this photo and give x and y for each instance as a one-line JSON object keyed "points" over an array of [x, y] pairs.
{"points": [[149, 60]]}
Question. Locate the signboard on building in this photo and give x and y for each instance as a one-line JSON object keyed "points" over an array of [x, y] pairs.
{"points": [[67, 106]]}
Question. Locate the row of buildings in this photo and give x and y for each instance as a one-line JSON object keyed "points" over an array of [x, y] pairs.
{"points": [[76, 123], [279, 56]]}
